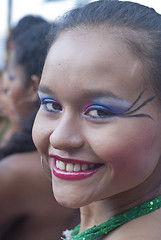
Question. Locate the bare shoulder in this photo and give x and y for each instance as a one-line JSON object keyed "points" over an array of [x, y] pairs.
{"points": [[18, 172], [14, 167], [13, 184], [18, 163], [142, 228], [21, 177]]}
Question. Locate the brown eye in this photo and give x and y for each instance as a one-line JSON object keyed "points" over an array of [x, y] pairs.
{"points": [[98, 112], [51, 106]]}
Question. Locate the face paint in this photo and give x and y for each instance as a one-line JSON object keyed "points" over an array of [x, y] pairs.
{"points": [[97, 114]]}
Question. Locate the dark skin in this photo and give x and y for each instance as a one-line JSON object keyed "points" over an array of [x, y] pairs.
{"points": [[124, 140]]}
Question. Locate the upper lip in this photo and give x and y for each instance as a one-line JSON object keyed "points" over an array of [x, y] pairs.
{"points": [[71, 160]]}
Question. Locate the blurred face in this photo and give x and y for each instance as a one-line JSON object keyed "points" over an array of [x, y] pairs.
{"points": [[14, 91], [98, 125], [1, 98]]}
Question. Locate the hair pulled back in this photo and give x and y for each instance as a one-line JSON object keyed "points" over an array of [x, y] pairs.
{"points": [[30, 45], [137, 25]]}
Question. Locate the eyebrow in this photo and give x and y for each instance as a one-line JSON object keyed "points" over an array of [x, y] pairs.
{"points": [[86, 94], [96, 94], [44, 89]]}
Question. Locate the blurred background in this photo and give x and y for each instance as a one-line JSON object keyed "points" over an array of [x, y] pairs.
{"points": [[12, 10]]}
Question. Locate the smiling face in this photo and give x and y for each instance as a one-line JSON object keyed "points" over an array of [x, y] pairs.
{"points": [[95, 126]]}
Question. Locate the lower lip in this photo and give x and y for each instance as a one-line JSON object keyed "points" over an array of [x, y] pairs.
{"points": [[72, 175]]}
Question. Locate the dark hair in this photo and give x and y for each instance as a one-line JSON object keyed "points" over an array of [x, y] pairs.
{"points": [[20, 141], [31, 44], [137, 25], [24, 24]]}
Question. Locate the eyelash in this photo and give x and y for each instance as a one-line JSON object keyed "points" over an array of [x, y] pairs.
{"points": [[47, 103], [101, 111]]}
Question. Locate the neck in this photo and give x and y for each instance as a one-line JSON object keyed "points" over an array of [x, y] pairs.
{"points": [[100, 211], [97, 232]]}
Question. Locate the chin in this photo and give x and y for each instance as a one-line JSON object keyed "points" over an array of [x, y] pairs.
{"points": [[69, 200], [68, 203]]}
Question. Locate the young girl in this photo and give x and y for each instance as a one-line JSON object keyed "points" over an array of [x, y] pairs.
{"points": [[99, 124]]}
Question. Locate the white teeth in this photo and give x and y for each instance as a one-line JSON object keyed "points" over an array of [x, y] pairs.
{"points": [[70, 167], [57, 163], [61, 165], [84, 167], [77, 167]]}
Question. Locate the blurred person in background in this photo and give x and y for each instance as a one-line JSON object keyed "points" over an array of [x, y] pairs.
{"points": [[4, 120], [20, 58], [27, 206], [8, 127]]}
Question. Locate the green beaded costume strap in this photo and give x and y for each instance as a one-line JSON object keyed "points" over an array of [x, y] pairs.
{"points": [[116, 221]]}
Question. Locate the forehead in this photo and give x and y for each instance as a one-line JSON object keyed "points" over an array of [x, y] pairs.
{"points": [[94, 40], [96, 55]]}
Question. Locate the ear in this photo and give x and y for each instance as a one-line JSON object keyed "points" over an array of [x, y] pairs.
{"points": [[34, 82]]}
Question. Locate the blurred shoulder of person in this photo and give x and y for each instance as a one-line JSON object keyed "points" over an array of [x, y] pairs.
{"points": [[28, 208]]}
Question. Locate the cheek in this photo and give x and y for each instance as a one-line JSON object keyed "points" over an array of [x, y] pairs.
{"points": [[40, 134], [16, 94], [126, 150]]}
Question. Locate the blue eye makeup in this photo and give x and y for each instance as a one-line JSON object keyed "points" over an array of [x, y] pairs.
{"points": [[98, 111], [10, 76], [101, 107], [50, 105], [118, 108]]}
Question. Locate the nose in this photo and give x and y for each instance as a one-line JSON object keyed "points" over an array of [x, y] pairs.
{"points": [[67, 134]]}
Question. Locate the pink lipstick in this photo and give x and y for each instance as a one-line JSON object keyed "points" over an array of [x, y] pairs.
{"points": [[73, 169]]}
